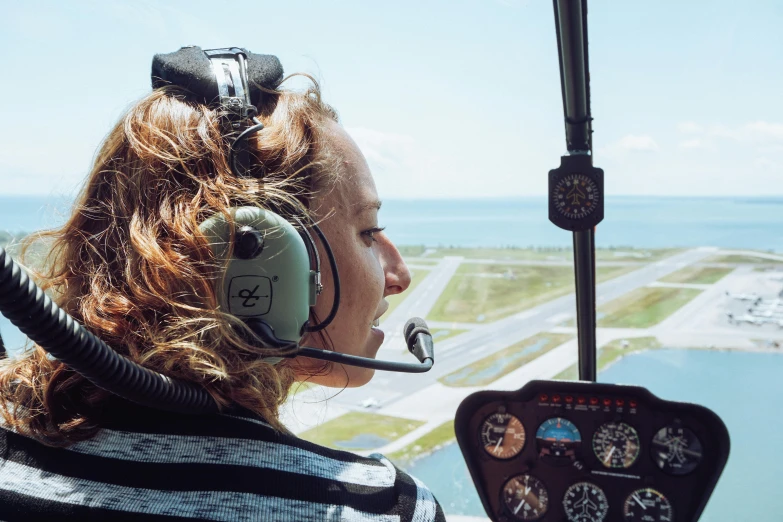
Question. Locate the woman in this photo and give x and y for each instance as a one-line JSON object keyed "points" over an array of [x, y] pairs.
{"points": [[132, 265]]}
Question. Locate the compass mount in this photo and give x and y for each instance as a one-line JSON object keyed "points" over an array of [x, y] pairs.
{"points": [[576, 199]]}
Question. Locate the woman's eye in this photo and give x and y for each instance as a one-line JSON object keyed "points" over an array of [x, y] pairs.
{"points": [[370, 233]]}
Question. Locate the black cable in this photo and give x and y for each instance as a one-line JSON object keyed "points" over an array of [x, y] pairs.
{"points": [[335, 277], [48, 325], [240, 141]]}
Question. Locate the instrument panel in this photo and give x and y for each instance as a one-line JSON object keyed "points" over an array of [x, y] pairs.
{"points": [[567, 451]]}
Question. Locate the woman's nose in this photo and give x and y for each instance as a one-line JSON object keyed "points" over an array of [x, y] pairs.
{"points": [[398, 277]]}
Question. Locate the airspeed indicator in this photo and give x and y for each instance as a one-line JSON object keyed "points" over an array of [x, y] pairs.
{"points": [[502, 435]]}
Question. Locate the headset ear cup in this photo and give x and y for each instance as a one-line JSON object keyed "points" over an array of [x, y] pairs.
{"points": [[267, 334]]}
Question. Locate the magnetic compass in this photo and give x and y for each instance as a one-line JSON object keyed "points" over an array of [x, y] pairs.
{"points": [[576, 200]]}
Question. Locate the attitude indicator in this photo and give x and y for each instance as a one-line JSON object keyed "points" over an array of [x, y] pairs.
{"points": [[558, 437]]}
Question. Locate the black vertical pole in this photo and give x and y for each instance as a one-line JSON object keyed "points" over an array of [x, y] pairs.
{"points": [[571, 25]]}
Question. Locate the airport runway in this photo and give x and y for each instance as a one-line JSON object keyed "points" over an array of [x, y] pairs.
{"points": [[456, 352]]}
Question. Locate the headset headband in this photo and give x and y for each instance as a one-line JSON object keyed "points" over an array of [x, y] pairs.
{"points": [[192, 68]]}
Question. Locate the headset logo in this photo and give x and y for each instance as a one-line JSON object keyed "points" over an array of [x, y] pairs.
{"points": [[249, 296]]}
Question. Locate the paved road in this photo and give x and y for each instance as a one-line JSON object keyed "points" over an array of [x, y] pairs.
{"points": [[483, 340]]}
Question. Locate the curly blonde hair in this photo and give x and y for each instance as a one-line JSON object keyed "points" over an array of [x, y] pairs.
{"points": [[132, 266]]}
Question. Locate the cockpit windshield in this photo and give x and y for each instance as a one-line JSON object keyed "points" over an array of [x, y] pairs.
{"points": [[458, 109]]}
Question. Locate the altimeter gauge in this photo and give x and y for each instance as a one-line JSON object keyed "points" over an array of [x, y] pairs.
{"points": [[525, 497], [502, 435], [676, 450], [616, 445], [585, 502], [647, 505]]}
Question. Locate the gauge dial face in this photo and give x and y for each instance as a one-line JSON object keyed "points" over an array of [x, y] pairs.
{"points": [[647, 505], [502, 435], [576, 196], [616, 445], [676, 450], [558, 437], [525, 497], [585, 502]]}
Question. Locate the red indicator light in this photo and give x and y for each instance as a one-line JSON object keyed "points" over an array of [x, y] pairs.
{"points": [[543, 397], [581, 400], [593, 400], [569, 399], [555, 398], [619, 402], [607, 402], [632, 404]]}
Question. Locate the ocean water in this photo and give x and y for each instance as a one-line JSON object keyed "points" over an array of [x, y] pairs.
{"points": [[744, 389], [644, 222]]}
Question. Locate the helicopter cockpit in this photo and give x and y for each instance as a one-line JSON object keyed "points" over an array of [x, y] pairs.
{"points": [[552, 450]]}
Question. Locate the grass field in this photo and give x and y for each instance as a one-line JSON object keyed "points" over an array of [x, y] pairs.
{"points": [[425, 445], [644, 307], [417, 276], [358, 431], [741, 258], [495, 366], [611, 352], [484, 293], [697, 275], [563, 254]]}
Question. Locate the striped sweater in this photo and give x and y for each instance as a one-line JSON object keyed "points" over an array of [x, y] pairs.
{"points": [[151, 465]]}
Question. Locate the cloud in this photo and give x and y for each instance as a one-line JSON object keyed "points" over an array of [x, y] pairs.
{"points": [[757, 132], [689, 127], [401, 166], [629, 144], [696, 143], [632, 142]]}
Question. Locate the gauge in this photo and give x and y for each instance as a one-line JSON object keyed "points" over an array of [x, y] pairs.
{"points": [[616, 445], [585, 502], [576, 196], [502, 435], [676, 450], [647, 505], [525, 497], [558, 437]]}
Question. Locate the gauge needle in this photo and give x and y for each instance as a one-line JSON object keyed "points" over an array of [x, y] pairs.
{"points": [[519, 506], [638, 501], [497, 446], [609, 455]]}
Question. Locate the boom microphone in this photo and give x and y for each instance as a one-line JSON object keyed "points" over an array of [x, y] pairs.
{"points": [[417, 337]]}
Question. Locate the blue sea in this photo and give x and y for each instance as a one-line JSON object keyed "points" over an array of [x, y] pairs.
{"points": [[644, 222], [744, 389]]}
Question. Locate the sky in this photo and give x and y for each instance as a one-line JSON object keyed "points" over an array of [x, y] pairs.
{"points": [[447, 99]]}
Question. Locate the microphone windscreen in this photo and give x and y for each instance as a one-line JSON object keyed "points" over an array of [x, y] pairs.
{"points": [[190, 68], [413, 327]]}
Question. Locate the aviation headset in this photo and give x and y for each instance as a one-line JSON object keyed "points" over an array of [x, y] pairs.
{"points": [[272, 277]]}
